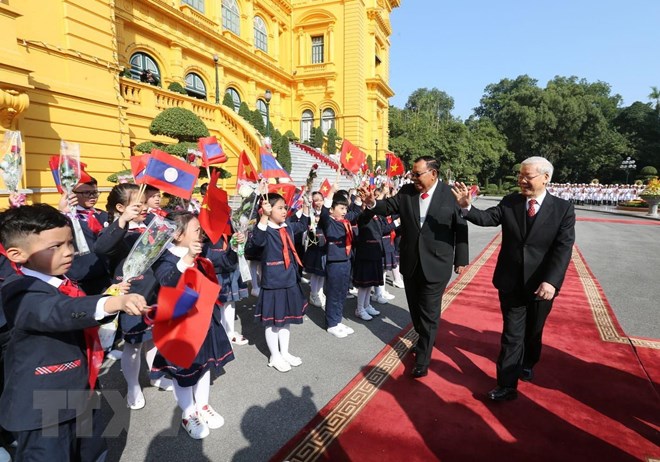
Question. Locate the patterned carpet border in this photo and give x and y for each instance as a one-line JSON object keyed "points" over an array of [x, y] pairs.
{"points": [[607, 327], [327, 430]]}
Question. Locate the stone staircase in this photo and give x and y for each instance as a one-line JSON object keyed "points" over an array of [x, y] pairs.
{"points": [[302, 159]]}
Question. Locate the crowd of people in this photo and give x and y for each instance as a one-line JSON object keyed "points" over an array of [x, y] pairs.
{"points": [[48, 338], [596, 194]]}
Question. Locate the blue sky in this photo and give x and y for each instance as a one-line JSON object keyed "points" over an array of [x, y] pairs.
{"points": [[461, 46]]}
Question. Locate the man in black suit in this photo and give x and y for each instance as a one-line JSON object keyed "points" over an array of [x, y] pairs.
{"points": [[434, 238], [538, 232]]}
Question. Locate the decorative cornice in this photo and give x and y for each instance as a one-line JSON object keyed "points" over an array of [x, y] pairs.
{"points": [[375, 14], [12, 104]]}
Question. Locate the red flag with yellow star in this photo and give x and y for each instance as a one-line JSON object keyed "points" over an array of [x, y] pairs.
{"points": [[394, 165], [215, 210], [286, 190], [326, 188], [351, 157], [246, 171]]}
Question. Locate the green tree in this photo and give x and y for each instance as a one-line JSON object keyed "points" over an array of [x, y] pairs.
{"points": [[283, 153], [655, 96], [257, 121], [318, 138], [228, 101], [244, 111], [332, 141], [370, 162]]}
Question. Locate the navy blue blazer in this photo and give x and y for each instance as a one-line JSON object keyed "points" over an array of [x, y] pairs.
{"points": [[273, 273], [91, 271], [335, 236], [369, 242], [47, 353]]}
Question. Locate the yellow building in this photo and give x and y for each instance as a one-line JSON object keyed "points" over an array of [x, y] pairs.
{"points": [[76, 70]]}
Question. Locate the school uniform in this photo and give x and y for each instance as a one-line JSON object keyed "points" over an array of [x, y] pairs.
{"points": [[390, 254], [281, 299], [216, 350], [368, 268], [46, 370], [314, 258], [6, 270], [152, 213], [225, 263], [91, 271]]}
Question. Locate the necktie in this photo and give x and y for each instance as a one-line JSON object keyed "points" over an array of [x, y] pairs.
{"points": [[425, 195], [287, 245], [349, 236], [531, 211], [94, 349]]}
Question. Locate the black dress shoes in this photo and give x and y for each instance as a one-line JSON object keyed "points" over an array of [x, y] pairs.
{"points": [[420, 371], [527, 374], [503, 393]]}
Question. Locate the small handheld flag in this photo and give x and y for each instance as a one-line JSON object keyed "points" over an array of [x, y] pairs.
{"points": [[351, 157], [270, 167], [170, 174], [211, 150]]}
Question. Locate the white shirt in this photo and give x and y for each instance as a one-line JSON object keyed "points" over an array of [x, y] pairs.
{"points": [[57, 282], [425, 203], [539, 201]]}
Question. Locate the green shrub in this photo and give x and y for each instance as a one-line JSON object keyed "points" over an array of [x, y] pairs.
{"points": [[291, 136], [332, 141], [228, 101], [319, 138], [179, 123], [176, 87]]}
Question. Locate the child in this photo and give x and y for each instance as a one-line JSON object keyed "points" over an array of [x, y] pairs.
{"points": [[281, 300], [53, 354], [314, 258], [192, 386], [232, 287], [339, 240], [152, 199], [368, 270], [127, 216]]}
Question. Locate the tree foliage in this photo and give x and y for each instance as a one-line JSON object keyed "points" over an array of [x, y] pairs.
{"points": [[332, 141], [180, 124]]}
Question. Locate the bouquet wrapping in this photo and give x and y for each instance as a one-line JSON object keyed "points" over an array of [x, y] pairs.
{"points": [[148, 247], [242, 220], [12, 160], [69, 169]]}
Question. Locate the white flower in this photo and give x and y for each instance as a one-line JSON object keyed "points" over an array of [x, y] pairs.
{"points": [[4, 164], [245, 191]]}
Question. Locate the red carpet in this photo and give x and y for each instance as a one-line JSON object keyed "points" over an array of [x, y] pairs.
{"points": [[593, 396]]}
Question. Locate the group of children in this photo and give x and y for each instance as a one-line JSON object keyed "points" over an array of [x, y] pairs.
{"points": [[51, 339]]}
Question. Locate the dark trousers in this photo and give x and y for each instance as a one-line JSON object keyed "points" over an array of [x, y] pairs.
{"points": [[338, 276], [82, 444], [521, 341], [5, 334], [424, 302]]}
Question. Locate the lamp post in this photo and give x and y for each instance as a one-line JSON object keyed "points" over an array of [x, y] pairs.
{"points": [[217, 80], [628, 164], [376, 158], [268, 96]]}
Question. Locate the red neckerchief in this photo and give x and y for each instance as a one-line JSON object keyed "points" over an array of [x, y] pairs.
{"points": [[94, 348], [349, 235], [393, 232], [287, 244]]}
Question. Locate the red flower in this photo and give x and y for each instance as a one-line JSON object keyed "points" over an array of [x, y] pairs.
{"points": [[191, 157], [315, 167]]}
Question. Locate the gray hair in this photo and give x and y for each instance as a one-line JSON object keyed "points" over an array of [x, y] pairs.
{"points": [[543, 165]]}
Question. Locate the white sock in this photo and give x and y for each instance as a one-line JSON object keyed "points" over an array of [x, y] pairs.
{"points": [[363, 298], [202, 389], [396, 275], [378, 291], [284, 334], [130, 366], [314, 286], [254, 272], [184, 398], [227, 314], [150, 352], [272, 340]]}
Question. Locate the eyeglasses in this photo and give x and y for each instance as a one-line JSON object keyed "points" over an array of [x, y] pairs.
{"points": [[88, 193], [417, 175], [528, 178]]}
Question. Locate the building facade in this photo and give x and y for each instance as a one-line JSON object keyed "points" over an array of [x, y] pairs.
{"points": [[97, 72]]}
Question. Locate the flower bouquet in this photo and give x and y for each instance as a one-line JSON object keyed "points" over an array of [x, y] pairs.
{"points": [[243, 218], [12, 160], [151, 244], [69, 169]]}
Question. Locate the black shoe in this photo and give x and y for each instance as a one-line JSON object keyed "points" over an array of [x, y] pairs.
{"points": [[420, 371], [527, 374], [503, 393]]}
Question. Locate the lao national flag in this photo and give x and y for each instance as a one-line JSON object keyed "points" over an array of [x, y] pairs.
{"points": [[138, 167], [211, 150], [297, 201], [286, 190], [215, 210], [270, 167], [170, 174], [182, 317], [54, 164], [351, 157], [325, 189], [246, 171]]}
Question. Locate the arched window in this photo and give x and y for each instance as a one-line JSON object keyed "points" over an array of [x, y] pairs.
{"points": [[140, 64], [195, 86], [261, 105], [231, 17], [306, 125], [260, 34], [235, 97], [327, 120]]}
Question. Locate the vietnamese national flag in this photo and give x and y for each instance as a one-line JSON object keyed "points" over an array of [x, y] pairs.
{"points": [[138, 166], [394, 165], [351, 157], [211, 150], [170, 174], [270, 167], [325, 189], [215, 210], [246, 171], [286, 190], [182, 317]]}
